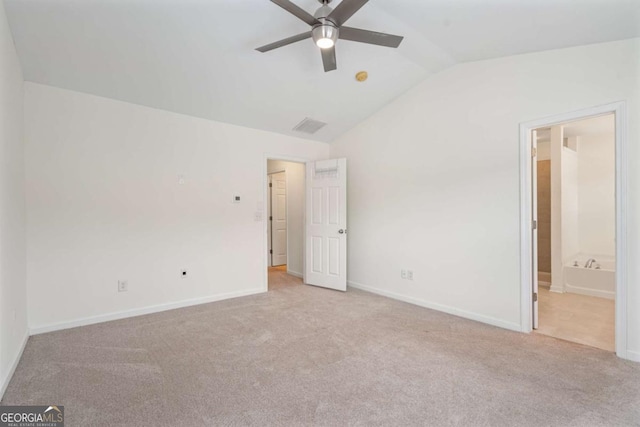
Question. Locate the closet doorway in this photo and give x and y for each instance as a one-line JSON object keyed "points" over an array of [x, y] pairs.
{"points": [[285, 198]]}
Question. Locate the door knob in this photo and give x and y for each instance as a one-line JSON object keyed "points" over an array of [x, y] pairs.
{"points": [[341, 231]]}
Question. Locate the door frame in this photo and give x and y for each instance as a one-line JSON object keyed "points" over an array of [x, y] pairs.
{"points": [[265, 194], [526, 193]]}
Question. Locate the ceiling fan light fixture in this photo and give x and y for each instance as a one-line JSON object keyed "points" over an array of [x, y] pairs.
{"points": [[325, 35], [327, 26], [325, 43]]}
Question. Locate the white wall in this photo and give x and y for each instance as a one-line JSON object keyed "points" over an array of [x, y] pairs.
{"points": [[557, 234], [569, 185], [596, 195], [544, 150], [104, 204], [13, 305], [434, 178], [295, 212]]}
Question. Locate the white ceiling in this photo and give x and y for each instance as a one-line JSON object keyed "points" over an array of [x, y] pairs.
{"points": [[197, 57]]}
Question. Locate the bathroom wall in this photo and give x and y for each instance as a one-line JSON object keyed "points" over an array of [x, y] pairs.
{"points": [[544, 150], [556, 136], [569, 185], [564, 204], [596, 195]]}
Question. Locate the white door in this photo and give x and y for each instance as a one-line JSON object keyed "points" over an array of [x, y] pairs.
{"points": [[269, 249], [326, 224], [279, 218], [534, 225]]}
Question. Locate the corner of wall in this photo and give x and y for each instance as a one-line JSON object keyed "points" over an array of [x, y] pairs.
{"points": [[6, 379]]}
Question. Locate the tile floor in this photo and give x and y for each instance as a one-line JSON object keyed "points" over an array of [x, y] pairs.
{"points": [[578, 318]]}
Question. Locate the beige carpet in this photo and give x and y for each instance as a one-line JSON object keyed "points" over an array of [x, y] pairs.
{"points": [[309, 356], [279, 278]]}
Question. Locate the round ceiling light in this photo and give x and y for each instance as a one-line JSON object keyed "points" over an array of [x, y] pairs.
{"points": [[325, 35]]}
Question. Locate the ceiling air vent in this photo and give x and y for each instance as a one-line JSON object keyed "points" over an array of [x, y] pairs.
{"points": [[309, 126]]}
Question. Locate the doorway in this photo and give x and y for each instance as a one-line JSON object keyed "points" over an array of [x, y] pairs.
{"points": [[573, 228], [285, 223]]}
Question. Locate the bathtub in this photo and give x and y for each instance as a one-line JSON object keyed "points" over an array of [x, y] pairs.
{"points": [[597, 282]]}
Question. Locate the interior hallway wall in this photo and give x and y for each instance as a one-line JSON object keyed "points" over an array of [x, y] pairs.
{"points": [[295, 212], [117, 191], [13, 294], [434, 178]]}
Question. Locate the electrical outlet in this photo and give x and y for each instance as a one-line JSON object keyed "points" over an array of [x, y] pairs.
{"points": [[123, 286], [403, 274], [410, 274]]}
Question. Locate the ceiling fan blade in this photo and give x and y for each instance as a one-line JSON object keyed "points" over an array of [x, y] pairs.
{"points": [[371, 37], [329, 59], [345, 10], [297, 11], [284, 42]]}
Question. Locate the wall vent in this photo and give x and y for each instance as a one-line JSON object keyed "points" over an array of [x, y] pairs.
{"points": [[309, 126]]}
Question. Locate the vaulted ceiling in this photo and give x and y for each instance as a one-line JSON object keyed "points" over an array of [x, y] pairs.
{"points": [[197, 57]]}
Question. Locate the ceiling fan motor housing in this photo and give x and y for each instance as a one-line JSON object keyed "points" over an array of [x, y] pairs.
{"points": [[327, 29]]}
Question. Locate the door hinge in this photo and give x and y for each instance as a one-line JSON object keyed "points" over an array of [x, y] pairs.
{"points": [[535, 296], [270, 185], [534, 151], [270, 251], [270, 218], [534, 225]]}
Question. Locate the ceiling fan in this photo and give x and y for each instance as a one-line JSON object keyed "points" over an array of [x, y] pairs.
{"points": [[327, 27]]}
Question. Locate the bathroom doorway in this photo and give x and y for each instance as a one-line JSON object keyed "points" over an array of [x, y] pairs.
{"points": [[575, 165], [575, 238]]}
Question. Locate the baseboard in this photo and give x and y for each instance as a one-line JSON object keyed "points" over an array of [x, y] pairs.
{"points": [[543, 276], [544, 284], [590, 292], [5, 381], [440, 307], [634, 356], [557, 289], [139, 311], [295, 273]]}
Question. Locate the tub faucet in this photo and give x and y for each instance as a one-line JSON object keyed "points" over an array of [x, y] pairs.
{"points": [[589, 263]]}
